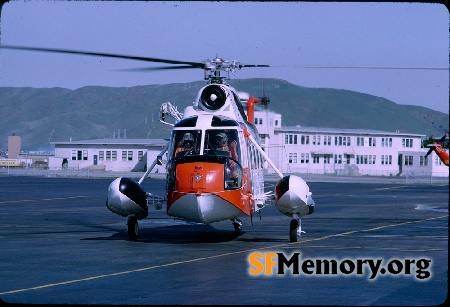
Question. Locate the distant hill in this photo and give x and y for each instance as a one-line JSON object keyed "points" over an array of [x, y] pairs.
{"points": [[44, 115]]}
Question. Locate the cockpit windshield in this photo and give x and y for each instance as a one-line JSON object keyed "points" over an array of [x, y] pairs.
{"points": [[186, 142], [222, 142], [218, 142]]}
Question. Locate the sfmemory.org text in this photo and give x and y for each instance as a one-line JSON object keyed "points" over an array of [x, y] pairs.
{"points": [[273, 263]]}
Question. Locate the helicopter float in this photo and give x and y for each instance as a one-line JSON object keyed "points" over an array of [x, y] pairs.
{"points": [[215, 169]]}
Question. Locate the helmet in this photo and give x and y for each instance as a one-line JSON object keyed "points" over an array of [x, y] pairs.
{"points": [[188, 139], [222, 137]]}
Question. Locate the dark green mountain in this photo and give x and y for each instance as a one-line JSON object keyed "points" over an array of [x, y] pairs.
{"points": [[45, 115]]}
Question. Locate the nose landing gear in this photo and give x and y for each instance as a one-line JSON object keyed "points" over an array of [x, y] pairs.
{"points": [[295, 230], [133, 228]]}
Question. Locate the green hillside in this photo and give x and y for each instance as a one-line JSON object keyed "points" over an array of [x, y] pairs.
{"points": [[41, 116]]}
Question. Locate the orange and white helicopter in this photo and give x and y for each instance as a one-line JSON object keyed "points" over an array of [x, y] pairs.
{"points": [[215, 168], [437, 148]]}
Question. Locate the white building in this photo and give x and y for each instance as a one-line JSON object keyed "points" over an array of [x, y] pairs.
{"points": [[345, 151], [292, 149], [133, 155]]}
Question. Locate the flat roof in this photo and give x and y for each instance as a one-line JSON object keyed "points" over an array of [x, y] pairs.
{"points": [[144, 142], [345, 131]]}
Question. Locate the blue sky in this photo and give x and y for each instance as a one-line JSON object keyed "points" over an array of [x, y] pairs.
{"points": [[285, 35]]}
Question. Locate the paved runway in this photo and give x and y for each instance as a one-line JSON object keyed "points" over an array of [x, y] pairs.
{"points": [[61, 245]]}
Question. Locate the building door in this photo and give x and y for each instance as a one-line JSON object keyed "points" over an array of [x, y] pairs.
{"points": [[400, 163], [65, 163], [95, 159]]}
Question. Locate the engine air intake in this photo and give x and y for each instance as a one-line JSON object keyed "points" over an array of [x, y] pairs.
{"points": [[213, 97]]}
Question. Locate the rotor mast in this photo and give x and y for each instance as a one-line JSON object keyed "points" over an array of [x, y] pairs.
{"points": [[213, 68]]}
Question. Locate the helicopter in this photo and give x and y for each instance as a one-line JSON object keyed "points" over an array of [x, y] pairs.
{"points": [[437, 148], [215, 169]]}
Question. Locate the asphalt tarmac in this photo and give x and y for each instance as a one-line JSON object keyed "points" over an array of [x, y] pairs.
{"points": [[384, 243]]}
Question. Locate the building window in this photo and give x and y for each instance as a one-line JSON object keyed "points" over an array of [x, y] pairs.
{"points": [[342, 140], [114, 155], [423, 161], [327, 140], [140, 155], [316, 139], [345, 141], [372, 142], [108, 155], [127, 155], [407, 143], [327, 159], [290, 139], [304, 158], [359, 141], [365, 159], [304, 139], [315, 159], [79, 154], [408, 160], [276, 123], [101, 155], [292, 157], [337, 159], [386, 159], [386, 142]]}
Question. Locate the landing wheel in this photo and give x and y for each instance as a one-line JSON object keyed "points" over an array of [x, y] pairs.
{"points": [[237, 224], [133, 228], [293, 231]]}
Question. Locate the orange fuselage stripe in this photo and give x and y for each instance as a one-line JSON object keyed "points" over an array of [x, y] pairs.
{"points": [[206, 177]]}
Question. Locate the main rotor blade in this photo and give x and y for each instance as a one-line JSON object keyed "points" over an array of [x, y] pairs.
{"points": [[157, 68], [429, 151], [252, 65], [369, 67], [110, 55]]}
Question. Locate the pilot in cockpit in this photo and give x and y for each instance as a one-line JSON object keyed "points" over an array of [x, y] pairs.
{"points": [[222, 144], [229, 147], [186, 144]]}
